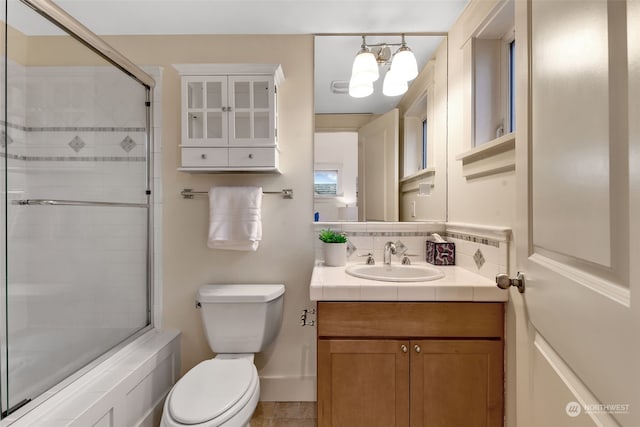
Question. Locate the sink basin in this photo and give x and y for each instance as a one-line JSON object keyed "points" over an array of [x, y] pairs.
{"points": [[395, 273]]}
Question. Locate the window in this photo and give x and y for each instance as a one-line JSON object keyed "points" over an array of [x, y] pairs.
{"points": [[489, 63], [325, 182], [425, 143], [512, 86], [418, 135]]}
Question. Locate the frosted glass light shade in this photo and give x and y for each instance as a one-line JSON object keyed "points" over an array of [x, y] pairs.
{"points": [[359, 88], [404, 64], [393, 85], [365, 66]]}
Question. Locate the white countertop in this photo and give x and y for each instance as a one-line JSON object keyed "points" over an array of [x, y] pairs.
{"points": [[458, 284]]}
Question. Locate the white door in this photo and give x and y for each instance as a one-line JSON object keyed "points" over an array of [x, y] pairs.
{"points": [[578, 241], [378, 169]]}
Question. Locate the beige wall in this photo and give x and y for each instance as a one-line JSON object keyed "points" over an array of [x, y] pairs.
{"points": [[286, 253], [488, 200]]}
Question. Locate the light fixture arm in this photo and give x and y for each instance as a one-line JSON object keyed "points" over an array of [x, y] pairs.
{"points": [[369, 45]]}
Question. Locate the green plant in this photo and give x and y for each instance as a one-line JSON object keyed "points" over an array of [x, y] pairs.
{"points": [[330, 236]]}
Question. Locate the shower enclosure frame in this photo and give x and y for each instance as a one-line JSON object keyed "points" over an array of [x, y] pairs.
{"points": [[53, 13]]}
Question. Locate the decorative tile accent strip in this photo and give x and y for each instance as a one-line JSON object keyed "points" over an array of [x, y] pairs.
{"points": [[77, 143], [401, 248], [479, 259], [74, 158], [72, 128], [127, 143], [4, 135], [388, 233], [351, 248], [474, 239]]}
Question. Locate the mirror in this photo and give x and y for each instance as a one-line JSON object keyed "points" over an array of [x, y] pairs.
{"points": [[366, 170]]}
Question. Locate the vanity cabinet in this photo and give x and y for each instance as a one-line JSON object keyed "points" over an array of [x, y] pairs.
{"points": [[229, 117], [423, 364]]}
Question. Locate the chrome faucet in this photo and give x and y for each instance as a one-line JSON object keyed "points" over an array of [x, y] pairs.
{"points": [[389, 249]]}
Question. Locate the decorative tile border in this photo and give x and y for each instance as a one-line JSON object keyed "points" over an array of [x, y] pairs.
{"points": [[388, 233], [75, 158], [472, 238], [77, 144], [71, 128]]}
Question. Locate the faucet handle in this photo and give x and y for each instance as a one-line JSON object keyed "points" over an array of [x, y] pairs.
{"points": [[405, 258], [370, 260]]}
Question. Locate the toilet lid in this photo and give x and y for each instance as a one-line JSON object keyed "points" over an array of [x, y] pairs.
{"points": [[210, 389]]}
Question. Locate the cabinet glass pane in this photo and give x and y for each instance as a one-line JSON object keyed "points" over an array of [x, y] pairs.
{"points": [[261, 125], [241, 93], [196, 130], [214, 125], [261, 94], [214, 95], [243, 125], [194, 94]]}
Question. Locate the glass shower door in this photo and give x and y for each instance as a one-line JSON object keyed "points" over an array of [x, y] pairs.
{"points": [[77, 207]]}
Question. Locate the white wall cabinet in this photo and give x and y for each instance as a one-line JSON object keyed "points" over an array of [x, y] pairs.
{"points": [[229, 117]]}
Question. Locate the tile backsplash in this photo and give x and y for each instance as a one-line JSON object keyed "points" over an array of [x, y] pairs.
{"points": [[370, 237], [480, 249]]}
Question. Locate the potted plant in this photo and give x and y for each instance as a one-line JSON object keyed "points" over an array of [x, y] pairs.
{"points": [[334, 248]]}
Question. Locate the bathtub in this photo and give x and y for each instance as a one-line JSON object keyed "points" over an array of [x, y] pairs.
{"points": [[127, 389]]}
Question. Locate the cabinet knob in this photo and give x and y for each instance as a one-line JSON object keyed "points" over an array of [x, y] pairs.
{"points": [[417, 348], [403, 348], [251, 155], [203, 156]]}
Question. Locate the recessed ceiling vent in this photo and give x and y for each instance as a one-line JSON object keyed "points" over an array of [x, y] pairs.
{"points": [[340, 87]]}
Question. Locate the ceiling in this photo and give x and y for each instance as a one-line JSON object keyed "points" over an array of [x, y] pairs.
{"points": [[322, 17]]}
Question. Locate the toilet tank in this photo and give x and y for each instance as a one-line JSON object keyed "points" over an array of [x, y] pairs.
{"points": [[241, 318]]}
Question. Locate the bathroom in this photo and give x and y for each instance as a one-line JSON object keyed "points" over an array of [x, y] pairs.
{"points": [[486, 204]]}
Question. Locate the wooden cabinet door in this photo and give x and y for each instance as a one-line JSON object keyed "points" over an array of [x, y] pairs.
{"points": [[363, 383], [456, 383]]}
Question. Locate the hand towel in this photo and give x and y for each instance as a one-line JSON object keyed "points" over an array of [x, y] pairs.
{"points": [[235, 221]]}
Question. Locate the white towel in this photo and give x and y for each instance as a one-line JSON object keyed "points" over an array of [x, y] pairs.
{"points": [[235, 221]]}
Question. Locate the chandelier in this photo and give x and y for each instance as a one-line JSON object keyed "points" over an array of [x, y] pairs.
{"points": [[371, 58]]}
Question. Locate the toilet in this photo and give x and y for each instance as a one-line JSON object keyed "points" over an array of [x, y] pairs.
{"points": [[239, 321]]}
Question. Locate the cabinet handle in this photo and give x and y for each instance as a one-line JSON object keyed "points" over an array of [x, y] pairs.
{"points": [[203, 156], [403, 348], [251, 155], [417, 348]]}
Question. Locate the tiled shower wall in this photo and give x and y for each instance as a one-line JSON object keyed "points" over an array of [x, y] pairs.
{"points": [[76, 133]]}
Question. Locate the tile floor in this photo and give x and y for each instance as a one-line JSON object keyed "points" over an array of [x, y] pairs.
{"points": [[284, 414]]}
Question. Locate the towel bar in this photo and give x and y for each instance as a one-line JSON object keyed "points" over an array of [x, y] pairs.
{"points": [[188, 193]]}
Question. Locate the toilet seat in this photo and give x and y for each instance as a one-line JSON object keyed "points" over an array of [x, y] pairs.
{"points": [[213, 391]]}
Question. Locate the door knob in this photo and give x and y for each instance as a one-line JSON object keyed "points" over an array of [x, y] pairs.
{"points": [[403, 348], [505, 282], [417, 348]]}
